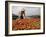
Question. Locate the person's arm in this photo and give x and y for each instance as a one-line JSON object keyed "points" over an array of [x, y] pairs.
{"points": [[24, 14]]}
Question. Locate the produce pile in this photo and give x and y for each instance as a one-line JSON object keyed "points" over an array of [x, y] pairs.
{"points": [[26, 24]]}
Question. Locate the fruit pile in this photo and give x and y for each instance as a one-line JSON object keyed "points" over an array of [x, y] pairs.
{"points": [[26, 24]]}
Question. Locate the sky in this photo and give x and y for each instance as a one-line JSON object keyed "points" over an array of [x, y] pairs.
{"points": [[29, 11]]}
